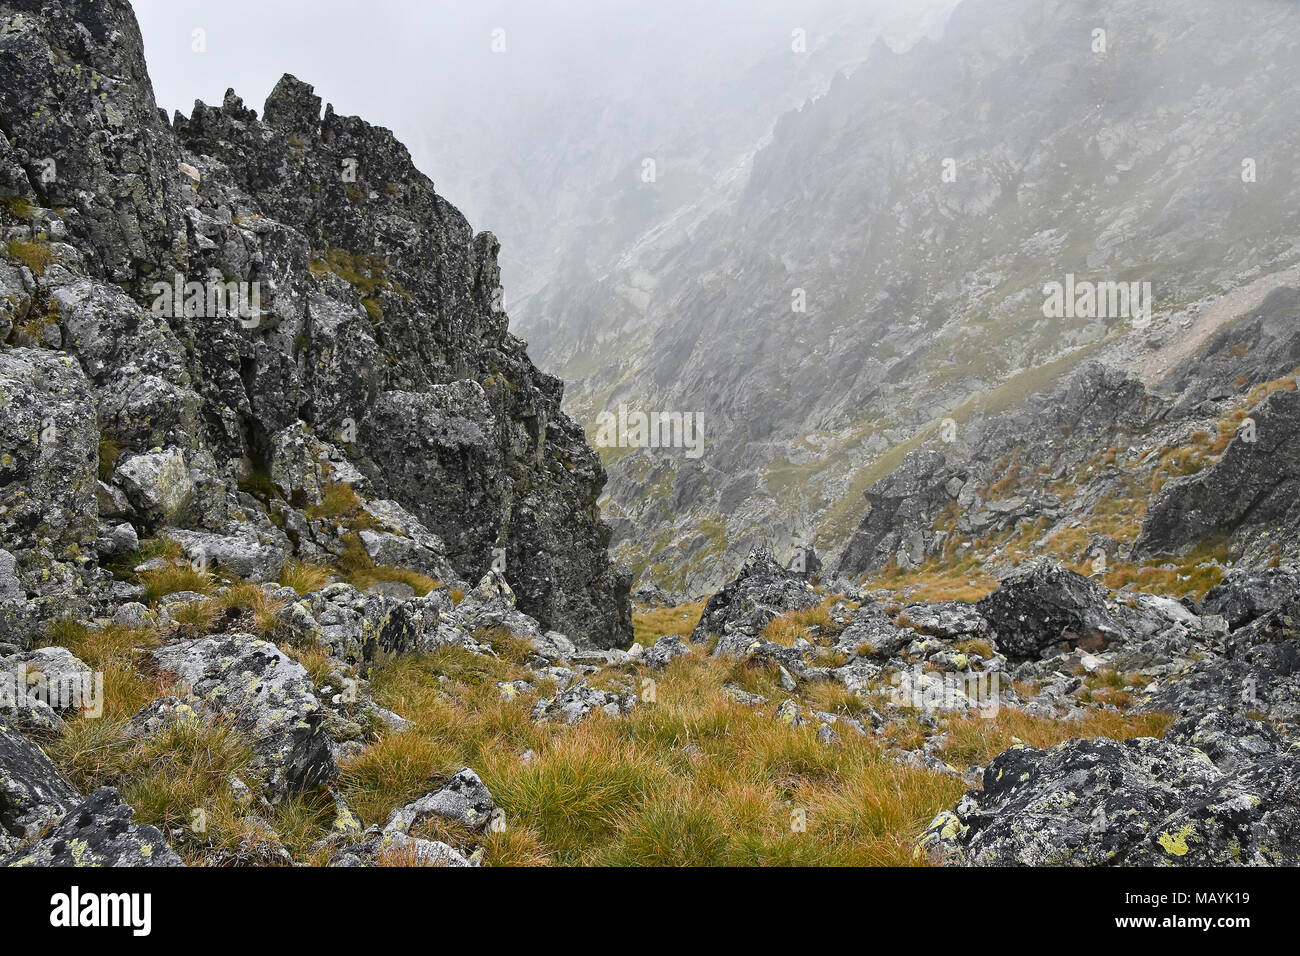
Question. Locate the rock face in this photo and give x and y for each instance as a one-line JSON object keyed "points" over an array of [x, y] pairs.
{"points": [[1253, 491], [32, 792], [1215, 792], [1258, 675], [1053, 435], [1245, 595], [346, 328], [900, 513], [48, 508]]}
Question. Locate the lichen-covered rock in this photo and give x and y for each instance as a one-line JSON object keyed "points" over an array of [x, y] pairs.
{"points": [[240, 555], [32, 791], [117, 540], [1140, 802], [54, 677], [97, 831], [270, 699], [396, 848], [355, 626], [157, 716], [1250, 493], [48, 503], [1258, 674], [947, 620], [871, 629], [1245, 594], [1042, 605], [463, 800], [345, 330]]}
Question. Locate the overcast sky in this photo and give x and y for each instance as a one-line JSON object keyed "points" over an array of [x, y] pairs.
{"points": [[410, 64], [581, 86]]}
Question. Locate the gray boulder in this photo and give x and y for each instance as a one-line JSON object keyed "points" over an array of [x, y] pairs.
{"points": [[269, 697], [33, 793], [241, 555], [1140, 802], [666, 649], [1042, 605], [463, 800], [576, 702], [97, 832]]}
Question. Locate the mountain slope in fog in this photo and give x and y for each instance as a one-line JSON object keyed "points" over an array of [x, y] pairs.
{"points": [[925, 296]]}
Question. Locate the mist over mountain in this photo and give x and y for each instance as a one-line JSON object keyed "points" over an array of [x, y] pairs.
{"points": [[924, 296]]}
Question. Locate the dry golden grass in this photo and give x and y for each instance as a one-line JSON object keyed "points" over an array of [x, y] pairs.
{"points": [[506, 645], [977, 740], [303, 577], [942, 579], [36, 256], [195, 618], [976, 646], [315, 659], [691, 779], [649, 626], [255, 609], [812, 624], [175, 578], [337, 500]]}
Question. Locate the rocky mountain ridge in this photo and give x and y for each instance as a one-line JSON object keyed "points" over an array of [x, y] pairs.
{"points": [[372, 404]]}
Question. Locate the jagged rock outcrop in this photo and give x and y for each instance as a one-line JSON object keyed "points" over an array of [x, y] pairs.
{"points": [[1257, 675], [1245, 594], [763, 590], [901, 508], [346, 328], [1261, 346], [913, 511]]}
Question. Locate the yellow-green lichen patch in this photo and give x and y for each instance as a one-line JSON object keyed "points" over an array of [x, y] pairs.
{"points": [[1175, 844]]}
